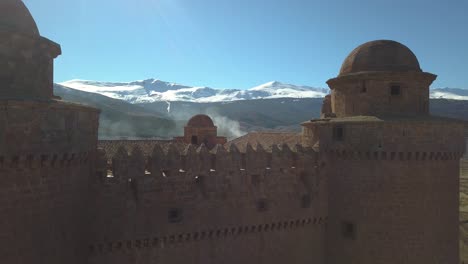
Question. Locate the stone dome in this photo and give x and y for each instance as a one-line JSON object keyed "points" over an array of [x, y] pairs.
{"points": [[380, 55], [15, 16], [200, 121]]}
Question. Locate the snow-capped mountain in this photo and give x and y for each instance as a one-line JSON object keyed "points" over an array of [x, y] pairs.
{"points": [[449, 93], [152, 90], [164, 119]]}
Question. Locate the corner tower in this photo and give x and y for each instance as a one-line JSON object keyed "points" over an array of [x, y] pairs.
{"points": [[46, 150], [379, 78], [393, 186], [26, 67]]}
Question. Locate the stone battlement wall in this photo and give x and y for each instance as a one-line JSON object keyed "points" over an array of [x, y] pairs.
{"points": [[125, 164], [42, 198], [225, 203], [47, 154]]}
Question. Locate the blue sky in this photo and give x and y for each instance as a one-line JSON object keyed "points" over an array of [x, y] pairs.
{"points": [[244, 43]]}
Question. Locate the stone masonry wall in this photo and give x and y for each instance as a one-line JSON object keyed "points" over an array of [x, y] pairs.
{"points": [[370, 94], [393, 210], [210, 207], [464, 161], [393, 188], [370, 135], [47, 153], [26, 66]]}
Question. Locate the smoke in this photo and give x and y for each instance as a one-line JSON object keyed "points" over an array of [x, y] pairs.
{"points": [[134, 127], [109, 128], [119, 125], [226, 127]]}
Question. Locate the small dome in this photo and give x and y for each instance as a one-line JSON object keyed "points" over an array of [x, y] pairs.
{"points": [[15, 16], [380, 55], [200, 121]]}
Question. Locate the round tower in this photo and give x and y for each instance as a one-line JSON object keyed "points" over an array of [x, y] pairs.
{"points": [[26, 65], [46, 150], [394, 169], [379, 78]]}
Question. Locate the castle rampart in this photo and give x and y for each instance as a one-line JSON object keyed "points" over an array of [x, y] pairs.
{"points": [[395, 168], [375, 180], [218, 199], [47, 151]]}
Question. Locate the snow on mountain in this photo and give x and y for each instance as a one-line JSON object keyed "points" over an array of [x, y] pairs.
{"points": [[152, 90], [281, 90], [133, 92], [450, 93]]}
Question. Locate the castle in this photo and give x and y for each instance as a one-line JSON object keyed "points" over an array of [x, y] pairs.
{"points": [[373, 181]]}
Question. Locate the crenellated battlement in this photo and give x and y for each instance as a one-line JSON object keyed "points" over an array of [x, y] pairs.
{"points": [[131, 163], [176, 196], [375, 181]]}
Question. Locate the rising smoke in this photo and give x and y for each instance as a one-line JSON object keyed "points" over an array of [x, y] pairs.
{"points": [[119, 125], [226, 127]]}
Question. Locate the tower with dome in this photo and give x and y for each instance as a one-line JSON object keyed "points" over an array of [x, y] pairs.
{"points": [[394, 168], [375, 180]]}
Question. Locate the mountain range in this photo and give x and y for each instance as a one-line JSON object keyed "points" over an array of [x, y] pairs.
{"points": [[153, 90], [158, 109]]}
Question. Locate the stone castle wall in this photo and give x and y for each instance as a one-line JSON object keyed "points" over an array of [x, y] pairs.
{"points": [[47, 153], [464, 161], [369, 134], [393, 201], [366, 190], [396, 183], [210, 207]]}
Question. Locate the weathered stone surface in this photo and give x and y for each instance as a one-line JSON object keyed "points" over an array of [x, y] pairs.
{"points": [[380, 55], [380, 188], [47, 151], [394, 177], [15, 17]]}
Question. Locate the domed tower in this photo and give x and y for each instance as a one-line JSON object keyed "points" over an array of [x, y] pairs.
{"points": [[393, 168], [26, 67], [379, 78], [46, 150], [200, 129]]}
